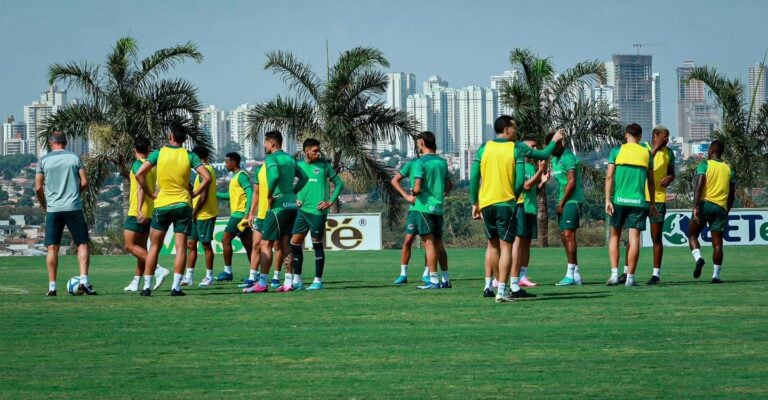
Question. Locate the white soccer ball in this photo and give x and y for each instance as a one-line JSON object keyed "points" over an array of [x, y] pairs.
{"points": [[73, 286]]}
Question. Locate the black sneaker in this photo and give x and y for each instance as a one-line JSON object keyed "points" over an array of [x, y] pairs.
{"points": [[87, 290], [622, 279], [699, 266], [488, 293], [716, 280], [175, 293], [522, 294], [146, 293], [655, 280], [51, 293]]}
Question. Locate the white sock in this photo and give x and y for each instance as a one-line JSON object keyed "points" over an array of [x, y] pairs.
{"points": [[614, 273], [626, 269], [630, 279], [569, 271], [148, 281], [716, 272], [515, 286], [52, 285], [276, 275], [136, 279], [426, 271], [433, 278], [446, 278], [523, 271], [160, 268], [488, 280], [84, 280], [189, 273], [209, 273], [288, 280], [696, 254], [657, 272], [502, 289], [404, 270], [228, 269], [177, 281], [297, 279], [317, 280], [254, 275]]}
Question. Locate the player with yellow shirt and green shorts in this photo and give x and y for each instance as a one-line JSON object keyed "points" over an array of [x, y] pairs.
{"points": [[239, 195], [173, 201], [205, 209], [713, 199], [492, 193], [630, 167]]}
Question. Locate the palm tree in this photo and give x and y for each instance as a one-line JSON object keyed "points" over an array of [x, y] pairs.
{"points": [[124, 99], [744, 129], [544, 101], [344, 112]]}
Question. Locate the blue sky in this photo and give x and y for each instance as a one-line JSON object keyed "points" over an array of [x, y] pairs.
{"points": [[462, 41]]}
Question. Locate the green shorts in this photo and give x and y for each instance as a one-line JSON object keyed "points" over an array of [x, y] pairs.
{"points": [[421, 223], [179, 216], [527, 225], [569, 219], [202, 230], [258, 224], [662, 209], [132, 224], [232, 229], [73, 220], [500, 222], [629, 217], [714, 216], [278, 223], [312, 223]]}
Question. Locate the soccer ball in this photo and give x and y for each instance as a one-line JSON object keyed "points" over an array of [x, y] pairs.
{"points": [[73, 286]]}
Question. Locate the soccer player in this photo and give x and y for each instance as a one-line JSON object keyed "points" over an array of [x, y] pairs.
{"points": [[205, 209], [712, 199], [663, 175], [173, 201], [136, 227], [239, 195], [527, 207], [278, 223], [566, 171], [59, 180], [630, 167], [492, 192], [431, 183], [314, 204]]}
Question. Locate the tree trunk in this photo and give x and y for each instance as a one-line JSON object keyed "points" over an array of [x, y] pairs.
{"points": [[543, 218]]}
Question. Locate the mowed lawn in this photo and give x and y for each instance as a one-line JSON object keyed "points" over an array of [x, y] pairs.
{"points": [[361, 337]]}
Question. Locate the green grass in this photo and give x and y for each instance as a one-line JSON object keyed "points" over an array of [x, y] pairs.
{"points": [[362, 338]]}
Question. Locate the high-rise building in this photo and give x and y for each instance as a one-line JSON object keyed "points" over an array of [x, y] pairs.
{"points": [[477, 111], [213, 122], [696, 117], [400, 85], [604, 94], [238, 131], [610, 74], [36, 115], [14, 133], [498, 83], [756, 85], [633, 79], [434, 82], [656, 103]]}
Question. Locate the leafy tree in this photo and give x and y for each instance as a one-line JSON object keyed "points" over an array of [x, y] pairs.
{"points": [[344, 112], [3, 196], [125, 98], [12, 165], [544, 102]]}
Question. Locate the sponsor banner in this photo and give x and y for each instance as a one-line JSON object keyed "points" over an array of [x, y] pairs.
{"points": [[746, 226], [342, 232]]}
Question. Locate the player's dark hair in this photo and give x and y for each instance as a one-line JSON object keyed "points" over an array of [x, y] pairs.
{"points": [[635, 130], [717, 148], [429, 140], [141, 144], [58, 137], [234, 156], [659, 129], [275, 136], [311, 142], [201, 152], [502, 122], [179, 132]]}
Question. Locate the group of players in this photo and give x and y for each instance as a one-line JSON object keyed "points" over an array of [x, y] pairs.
{"points": [[287, 200]]}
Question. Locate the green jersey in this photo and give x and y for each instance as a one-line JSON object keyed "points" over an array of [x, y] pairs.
{"points": [[632, 163], [316, 189], [560, 167], [281, 171], [434, 172], [412, 170], [531, 195]]}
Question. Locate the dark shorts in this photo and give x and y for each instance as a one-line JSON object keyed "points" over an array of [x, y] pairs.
{"points": [[132, 224], [714, 216], [312, 223], [232, 227], [527, 225], [179, 216], [202, 230], [629, 217], [570, 218], [258, 224], [500, 222], [73, 220], [662, 209], [278, 223]]}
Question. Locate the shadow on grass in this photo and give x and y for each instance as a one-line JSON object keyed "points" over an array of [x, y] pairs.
{"points": [[708, 282], [573, 296]]}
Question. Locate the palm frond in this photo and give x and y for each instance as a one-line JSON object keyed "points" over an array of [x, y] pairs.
{"points": [[293, 115], [121, 58], [298, 76], [98, 169], [83, 75], [166, 59], [590, 126], [74, 120], [729, 94]]}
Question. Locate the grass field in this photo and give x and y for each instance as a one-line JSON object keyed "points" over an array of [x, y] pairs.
{"points": [[363, 338]]}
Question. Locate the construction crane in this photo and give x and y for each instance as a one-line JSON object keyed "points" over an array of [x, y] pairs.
{"points": [[638, 46]]}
